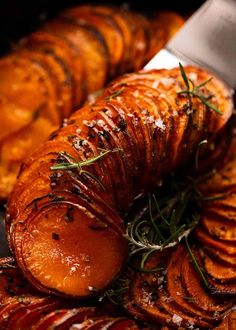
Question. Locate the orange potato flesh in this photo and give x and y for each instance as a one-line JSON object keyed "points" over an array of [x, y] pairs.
{"points": [[13, 116], [16, 147], [38, 232], [62, 260]]}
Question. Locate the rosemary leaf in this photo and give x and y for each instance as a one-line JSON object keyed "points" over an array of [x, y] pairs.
{"points": [[195, 263]]}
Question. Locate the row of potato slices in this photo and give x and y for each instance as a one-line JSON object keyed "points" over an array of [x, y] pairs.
{"points": [[22, 308], [53, 70], [177, 296]]}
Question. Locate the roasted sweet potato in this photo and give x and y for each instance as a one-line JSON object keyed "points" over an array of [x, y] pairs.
{"points": [[229, 322], [53, 70], [54, 212], [66, 54], [23, 308]]}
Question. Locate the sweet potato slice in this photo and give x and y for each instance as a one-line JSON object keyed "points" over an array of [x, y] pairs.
{"points": [[150, 295], [29, 86], [223, 258], [68, 56], [125, 24], [89, 49], [214, 286], [60, 75], [227, 214], [175, 286], [16, 147], [71, 273], [170, 20], [220, 229], [229, 323], [16, 315], [78, 316], [218, 271], [107, 27], [48, 320], [13, 116], [198, 295], [26, 317], [123, 325], [208, 240]]}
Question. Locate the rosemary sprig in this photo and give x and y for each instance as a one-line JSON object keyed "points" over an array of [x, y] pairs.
{"points": [[195, 263], [192, 90], [71, 163], [170, 215]]}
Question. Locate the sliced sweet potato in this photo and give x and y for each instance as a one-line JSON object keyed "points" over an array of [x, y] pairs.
{"points": [[150, 295], [214, 286], [17, 147], [221, 229], [123, 21], [175, 287], [208, 240], [229, 323], [89, 49], [60, 75], [222, 257], [221, 212], [34, 230], [78, 316], [218, 271], [107, 27], [48, 320], [170, 20], [123, 325], [29, 86], [197, 295], [74, 277], [64, 50], [13, 116], [27, 316]]}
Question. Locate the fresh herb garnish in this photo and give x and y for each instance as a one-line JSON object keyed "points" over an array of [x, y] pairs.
{"points": [[114, 94], [170, 215], [70, 163], [114, 294], [192, 90], [195, 263]]}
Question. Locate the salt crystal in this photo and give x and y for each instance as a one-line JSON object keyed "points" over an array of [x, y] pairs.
{"points": [[167, 82], [159, 123], [177, 319], [192, 76]]}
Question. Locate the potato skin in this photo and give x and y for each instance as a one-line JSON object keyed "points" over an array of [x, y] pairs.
{"points": [[149, 133]]}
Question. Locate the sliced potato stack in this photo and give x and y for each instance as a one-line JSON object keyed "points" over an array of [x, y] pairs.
{"points": [[177, 296], [56, 68], [63, 223], [217, 231], [22, 308]]}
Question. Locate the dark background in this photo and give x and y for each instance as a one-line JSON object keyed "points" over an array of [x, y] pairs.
{"points": [[19, 17]]}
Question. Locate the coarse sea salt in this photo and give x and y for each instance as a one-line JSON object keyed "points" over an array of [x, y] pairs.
{"points": [[177, 319], [159, 123]]}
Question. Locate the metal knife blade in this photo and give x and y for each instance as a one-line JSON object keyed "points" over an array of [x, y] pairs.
{"points": [[207, 39]]}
